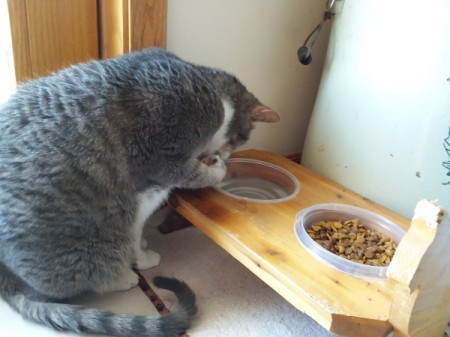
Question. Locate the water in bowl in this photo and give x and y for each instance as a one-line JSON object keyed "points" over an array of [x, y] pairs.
{"points": [[253, 188]]}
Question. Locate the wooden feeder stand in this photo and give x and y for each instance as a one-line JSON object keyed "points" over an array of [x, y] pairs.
{"points": [[414, 300]]}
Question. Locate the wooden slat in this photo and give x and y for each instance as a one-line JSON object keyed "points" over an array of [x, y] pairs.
{"points": [[356, 326], [61, 33], [52, 34], [419, 275], [113, 24], [148, 23], [127, 25]]}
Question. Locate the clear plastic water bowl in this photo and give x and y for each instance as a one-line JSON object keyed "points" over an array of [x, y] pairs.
{"points": [[340, 212], [258, 181]]}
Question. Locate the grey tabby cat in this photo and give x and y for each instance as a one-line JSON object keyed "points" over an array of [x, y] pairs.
{"points": [[86, 155]]}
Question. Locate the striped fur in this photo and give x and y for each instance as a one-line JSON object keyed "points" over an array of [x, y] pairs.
{"points": [[86, 154]]}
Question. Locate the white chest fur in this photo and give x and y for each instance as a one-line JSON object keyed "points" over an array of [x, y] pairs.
{"points": [[148, 201], [219, 139]]}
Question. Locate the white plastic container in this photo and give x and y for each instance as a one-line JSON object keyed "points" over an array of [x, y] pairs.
{"points": [[258, 181], [381, 121], [341, 212]]}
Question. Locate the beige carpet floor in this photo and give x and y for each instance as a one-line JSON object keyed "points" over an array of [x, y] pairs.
{"points": [[232, 301]]}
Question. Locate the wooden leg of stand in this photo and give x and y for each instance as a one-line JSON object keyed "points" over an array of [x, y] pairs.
{"points": [[419, 275], [349, 326], [173, 222]]}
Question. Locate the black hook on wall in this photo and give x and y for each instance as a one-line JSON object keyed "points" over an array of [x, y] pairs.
{"points": [[304, 52]]}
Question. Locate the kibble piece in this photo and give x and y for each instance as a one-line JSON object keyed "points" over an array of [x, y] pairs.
{"points": [[360, 238], [340, 248], [338, 224], [388, 252]]}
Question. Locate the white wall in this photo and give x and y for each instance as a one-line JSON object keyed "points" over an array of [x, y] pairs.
{"points": [[382, 114], [7, 79], [257, 40]]}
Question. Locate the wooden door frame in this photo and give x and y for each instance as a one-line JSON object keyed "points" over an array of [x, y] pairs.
{"points": [[127, 25], [110, 28]]}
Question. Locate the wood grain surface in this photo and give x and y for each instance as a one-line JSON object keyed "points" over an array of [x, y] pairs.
{"points": [[261, 236], [49, 35]]}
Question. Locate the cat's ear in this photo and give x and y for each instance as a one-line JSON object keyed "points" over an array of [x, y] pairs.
{"points": [[262, 113]]}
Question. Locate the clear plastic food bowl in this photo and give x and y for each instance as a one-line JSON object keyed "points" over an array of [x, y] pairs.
{"points": [[341, 212], [258, 181]]}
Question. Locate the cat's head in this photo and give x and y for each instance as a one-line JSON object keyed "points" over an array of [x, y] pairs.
{"points": [[241, 110]]}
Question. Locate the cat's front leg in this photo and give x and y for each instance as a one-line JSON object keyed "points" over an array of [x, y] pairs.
{"points": [[147, 202], [146, 259]]}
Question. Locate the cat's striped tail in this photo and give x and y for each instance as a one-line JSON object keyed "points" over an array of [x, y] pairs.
{"points": [[65, 317]]}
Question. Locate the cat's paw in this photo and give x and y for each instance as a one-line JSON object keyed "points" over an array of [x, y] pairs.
{"points": [[210, 160], [146, 259], [217, 168], [125, 281]]}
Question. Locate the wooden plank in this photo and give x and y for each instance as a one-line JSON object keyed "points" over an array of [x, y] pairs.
{"points": [[113, 27], [127, 25], [261, 236], [21, 44], [52, 34], [350, 326], [148, 23], [419, 275], [61, 33]]}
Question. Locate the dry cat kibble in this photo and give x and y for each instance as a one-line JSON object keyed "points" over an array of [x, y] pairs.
{"points": [[353, 241]]}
